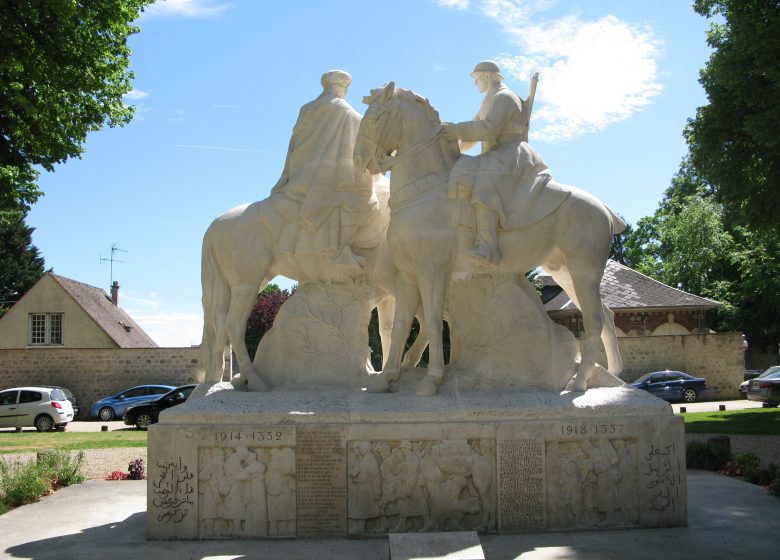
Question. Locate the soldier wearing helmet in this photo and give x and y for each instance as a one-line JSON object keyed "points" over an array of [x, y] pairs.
{"points": [[504, 183]]}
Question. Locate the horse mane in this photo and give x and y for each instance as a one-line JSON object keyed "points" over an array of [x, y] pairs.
{"points": [[431, 113], [451, 148]]}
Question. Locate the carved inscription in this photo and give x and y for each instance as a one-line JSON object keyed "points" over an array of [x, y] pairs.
{"points": [[521, 484], [173, 491], [322, 478], [661, 469]]}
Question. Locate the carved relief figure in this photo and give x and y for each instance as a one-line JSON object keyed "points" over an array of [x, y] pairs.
{"points": [[236, 491], [210, 477], [365, 488], [257, 507], [280, 490], [322, 197], [411, 502]]}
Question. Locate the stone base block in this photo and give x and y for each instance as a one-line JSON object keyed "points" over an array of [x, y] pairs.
{"points": [[335, 462]]}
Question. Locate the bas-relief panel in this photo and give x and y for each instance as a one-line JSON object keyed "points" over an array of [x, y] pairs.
{"points": [[246, 492], [592, 483], [410, 486]]}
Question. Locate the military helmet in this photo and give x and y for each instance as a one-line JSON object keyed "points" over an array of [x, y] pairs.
{"points": [[488, 66]]}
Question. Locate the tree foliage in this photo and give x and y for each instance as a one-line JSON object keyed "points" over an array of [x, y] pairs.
{"points": [[64, 68], [21, 265], [697, 244], [734, 141]]}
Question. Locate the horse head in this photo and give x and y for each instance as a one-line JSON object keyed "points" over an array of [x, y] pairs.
{"points": [[374, 144]]}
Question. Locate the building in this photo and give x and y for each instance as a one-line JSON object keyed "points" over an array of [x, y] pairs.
{"points": [[642, 306], [58, 312]]}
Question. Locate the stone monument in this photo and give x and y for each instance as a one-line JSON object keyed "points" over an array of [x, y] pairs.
{"points": [[523, 430]]}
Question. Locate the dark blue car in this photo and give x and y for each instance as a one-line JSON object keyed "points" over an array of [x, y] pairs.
{"points": [[672, 385]]}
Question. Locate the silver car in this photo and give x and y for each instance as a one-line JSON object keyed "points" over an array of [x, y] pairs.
{"points": [[743, 387], [45, 408]]}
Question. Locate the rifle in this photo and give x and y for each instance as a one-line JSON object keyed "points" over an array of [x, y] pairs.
{"points": [[528, 105]]}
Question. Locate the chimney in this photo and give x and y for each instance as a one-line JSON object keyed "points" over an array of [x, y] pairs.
{"points": [[115, 293]]}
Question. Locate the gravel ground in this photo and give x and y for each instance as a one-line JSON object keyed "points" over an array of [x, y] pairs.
{"points": [[98, 463]]}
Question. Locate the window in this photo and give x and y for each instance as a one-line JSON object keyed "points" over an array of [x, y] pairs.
{"points": [[45, 329], [30, 396], [8, 397]]}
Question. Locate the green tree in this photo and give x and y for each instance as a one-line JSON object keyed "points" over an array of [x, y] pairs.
{"points": [[260, 321], [20, 263], [733, 140], [63, 71], [697, 244]]}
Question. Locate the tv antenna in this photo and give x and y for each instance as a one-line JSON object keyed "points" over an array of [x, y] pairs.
{"points": [[112, 260]]}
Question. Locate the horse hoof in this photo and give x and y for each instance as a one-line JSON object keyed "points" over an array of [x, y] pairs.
{"points": [[427, 387], [377, 383], [578, 384]]}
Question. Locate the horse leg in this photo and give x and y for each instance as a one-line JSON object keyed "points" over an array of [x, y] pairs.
{"points": [[242, 299], [432, 280], [216, 299], [586, 281], [609, 339], [415, 352], [406, 302], [385, 309]]}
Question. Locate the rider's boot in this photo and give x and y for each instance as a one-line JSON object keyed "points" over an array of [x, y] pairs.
{"points": [[486, 249]]}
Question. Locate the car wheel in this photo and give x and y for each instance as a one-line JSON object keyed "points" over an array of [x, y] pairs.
{"points": [[44, 423], [689, 395], [106, 414], [143, 421]]}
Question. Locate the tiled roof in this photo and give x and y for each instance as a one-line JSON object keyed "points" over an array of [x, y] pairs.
{"points": [[112, 319], [625, 288]]}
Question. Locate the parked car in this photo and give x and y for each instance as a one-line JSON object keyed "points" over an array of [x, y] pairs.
{"points": [[142, 415], [69, 396], [743, 387], [672, 385], [765, 389], [108, 408], [43, 407]]}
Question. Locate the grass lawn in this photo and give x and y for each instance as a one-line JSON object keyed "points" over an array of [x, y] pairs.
{"points": [[25, 442], [751, 421]]}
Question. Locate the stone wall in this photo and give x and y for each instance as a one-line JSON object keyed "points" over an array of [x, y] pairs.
{"points": [[717, 357], [95, 373]]}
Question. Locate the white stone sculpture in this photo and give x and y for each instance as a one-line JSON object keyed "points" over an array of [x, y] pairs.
{"points": [[323, 222], [564, 230]]}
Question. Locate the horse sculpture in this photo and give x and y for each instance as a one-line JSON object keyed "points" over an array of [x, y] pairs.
{"points": [[572, 243], [240, 257]]}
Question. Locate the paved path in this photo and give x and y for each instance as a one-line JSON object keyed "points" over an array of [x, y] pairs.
{"points": [[727, 519]]}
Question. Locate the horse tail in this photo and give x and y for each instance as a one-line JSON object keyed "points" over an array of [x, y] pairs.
{"points": [[616, 223], [216, 299]]}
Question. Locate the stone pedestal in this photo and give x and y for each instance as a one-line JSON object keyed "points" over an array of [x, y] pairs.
{"points": [[338, 462]]}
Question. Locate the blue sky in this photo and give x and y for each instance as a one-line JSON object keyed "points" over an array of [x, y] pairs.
{"points": [[219, 84]]}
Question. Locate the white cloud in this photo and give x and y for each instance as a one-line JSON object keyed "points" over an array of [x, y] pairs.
{"points": [[167, 328], [592, 73], [136, 94], [455, 4], [187, 8]]}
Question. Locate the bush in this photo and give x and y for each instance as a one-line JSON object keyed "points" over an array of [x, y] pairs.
{"points": [[708, 456], [117, 475], [25, 483], [136, 470]]}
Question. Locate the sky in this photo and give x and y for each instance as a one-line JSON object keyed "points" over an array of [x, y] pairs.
{"points": [[218, 86]]}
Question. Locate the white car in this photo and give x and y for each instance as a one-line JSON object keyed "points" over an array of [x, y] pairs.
{"points": [[45, 408]]}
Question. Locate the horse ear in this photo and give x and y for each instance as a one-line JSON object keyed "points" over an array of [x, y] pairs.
{"points": [[388, 91]]}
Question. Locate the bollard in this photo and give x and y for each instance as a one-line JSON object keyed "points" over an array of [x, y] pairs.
{"points": [[683, 410], [103, 428], [721, 407]]}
